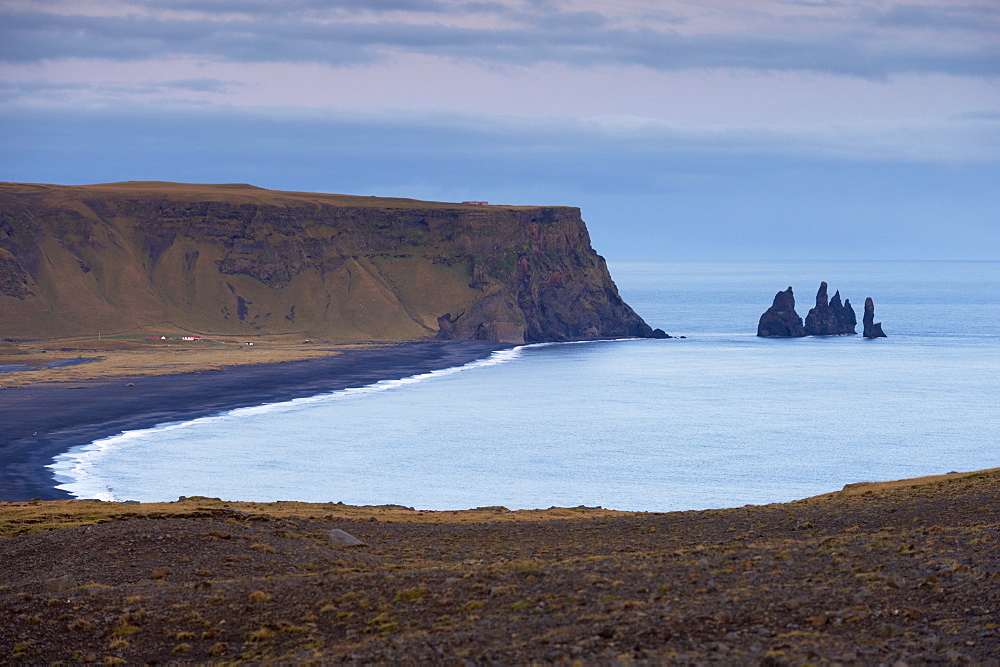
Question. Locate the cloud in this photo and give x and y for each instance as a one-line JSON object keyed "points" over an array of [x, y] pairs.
{"points": [[974, 17], [67, 91], [12, 91], [197, 85], [592, 148], [993, 115], [261, 8], [348, 32]]}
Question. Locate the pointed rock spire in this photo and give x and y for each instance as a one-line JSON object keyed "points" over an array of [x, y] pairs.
{"points": [[821, 298], [830, 318], [846, 319], [872, 329], [849, 317]]}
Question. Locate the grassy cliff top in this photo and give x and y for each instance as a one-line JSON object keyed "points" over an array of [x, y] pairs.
{"points": [[237, 193]]}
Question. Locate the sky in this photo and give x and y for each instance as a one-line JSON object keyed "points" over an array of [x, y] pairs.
{"points": [[684, 130]]}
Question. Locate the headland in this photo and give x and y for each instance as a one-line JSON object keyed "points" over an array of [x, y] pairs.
{"points": [[141, 258]]}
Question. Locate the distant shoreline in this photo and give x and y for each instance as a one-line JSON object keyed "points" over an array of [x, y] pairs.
{"points": [[41, 421]]}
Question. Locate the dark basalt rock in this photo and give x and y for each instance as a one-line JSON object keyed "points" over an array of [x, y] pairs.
{"points": [[660, 333], [872, 329], [446, 329], [830, 319], [845, 313], [781, 320], [847, 321]]}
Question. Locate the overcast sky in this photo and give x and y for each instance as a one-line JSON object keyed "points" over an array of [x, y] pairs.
{"points": [[709, 129]]}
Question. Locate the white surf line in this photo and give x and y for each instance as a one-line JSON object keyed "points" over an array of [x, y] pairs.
{"points": [[74, 469]]}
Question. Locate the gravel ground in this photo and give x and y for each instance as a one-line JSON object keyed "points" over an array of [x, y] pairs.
{"points": [[903, 575]]}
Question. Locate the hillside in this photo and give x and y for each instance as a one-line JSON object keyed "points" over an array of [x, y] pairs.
{"points": [[903, 573], [239, 260]]}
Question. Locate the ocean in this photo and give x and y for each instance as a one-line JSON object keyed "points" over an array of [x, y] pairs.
{"points": [[717, 419]]}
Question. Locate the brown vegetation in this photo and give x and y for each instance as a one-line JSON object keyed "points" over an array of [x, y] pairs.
{"points": [[113, 358], [234, 260], [873, 574]]}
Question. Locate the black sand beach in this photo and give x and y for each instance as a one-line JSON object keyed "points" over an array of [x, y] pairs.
{"points": [[41, 421]]}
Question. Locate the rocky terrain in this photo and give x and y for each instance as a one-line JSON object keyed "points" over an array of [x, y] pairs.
{"points": [[243, 261], [905, 573]]}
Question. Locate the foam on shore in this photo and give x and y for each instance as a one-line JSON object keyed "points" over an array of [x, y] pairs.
{"points": [[74, 470]]}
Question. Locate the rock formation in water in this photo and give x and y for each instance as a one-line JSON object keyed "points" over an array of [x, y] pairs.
{"points": [[240, 260], [845, 314], [830, 319], [781, 320], [872, 329]]}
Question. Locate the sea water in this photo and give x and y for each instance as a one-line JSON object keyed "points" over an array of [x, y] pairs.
{"points": [[720, 418]]}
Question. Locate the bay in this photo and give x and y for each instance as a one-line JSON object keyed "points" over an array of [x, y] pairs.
{"points": [[720, 418]]}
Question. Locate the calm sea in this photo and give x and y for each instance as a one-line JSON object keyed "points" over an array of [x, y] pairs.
{"points": [[718, 419]]}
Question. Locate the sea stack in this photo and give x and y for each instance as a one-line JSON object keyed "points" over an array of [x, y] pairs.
{"points": [[781, 320], [872, 329], [830, 319], [845, 314]]}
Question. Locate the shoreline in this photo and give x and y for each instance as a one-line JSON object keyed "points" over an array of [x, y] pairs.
{"points": [[44, 420]]}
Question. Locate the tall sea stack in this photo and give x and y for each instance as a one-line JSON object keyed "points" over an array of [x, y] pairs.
{"points": [[830, 319], [845, 314], [781, 320], [872, 329]]}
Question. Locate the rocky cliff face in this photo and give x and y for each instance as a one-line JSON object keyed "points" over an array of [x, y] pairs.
{"points": [[831, 318], [781, 320], [234, 259]]}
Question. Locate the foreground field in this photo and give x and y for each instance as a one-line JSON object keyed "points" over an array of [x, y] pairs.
{"points": [[873, 574]]}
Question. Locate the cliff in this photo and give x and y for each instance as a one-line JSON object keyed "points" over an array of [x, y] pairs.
{"points": [[239, 260]]}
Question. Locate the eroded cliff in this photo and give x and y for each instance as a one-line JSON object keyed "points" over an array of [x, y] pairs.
{"points": [[235, 259]]}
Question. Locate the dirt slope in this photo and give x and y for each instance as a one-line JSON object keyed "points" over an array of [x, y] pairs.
{"points": [[870, 575]]}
